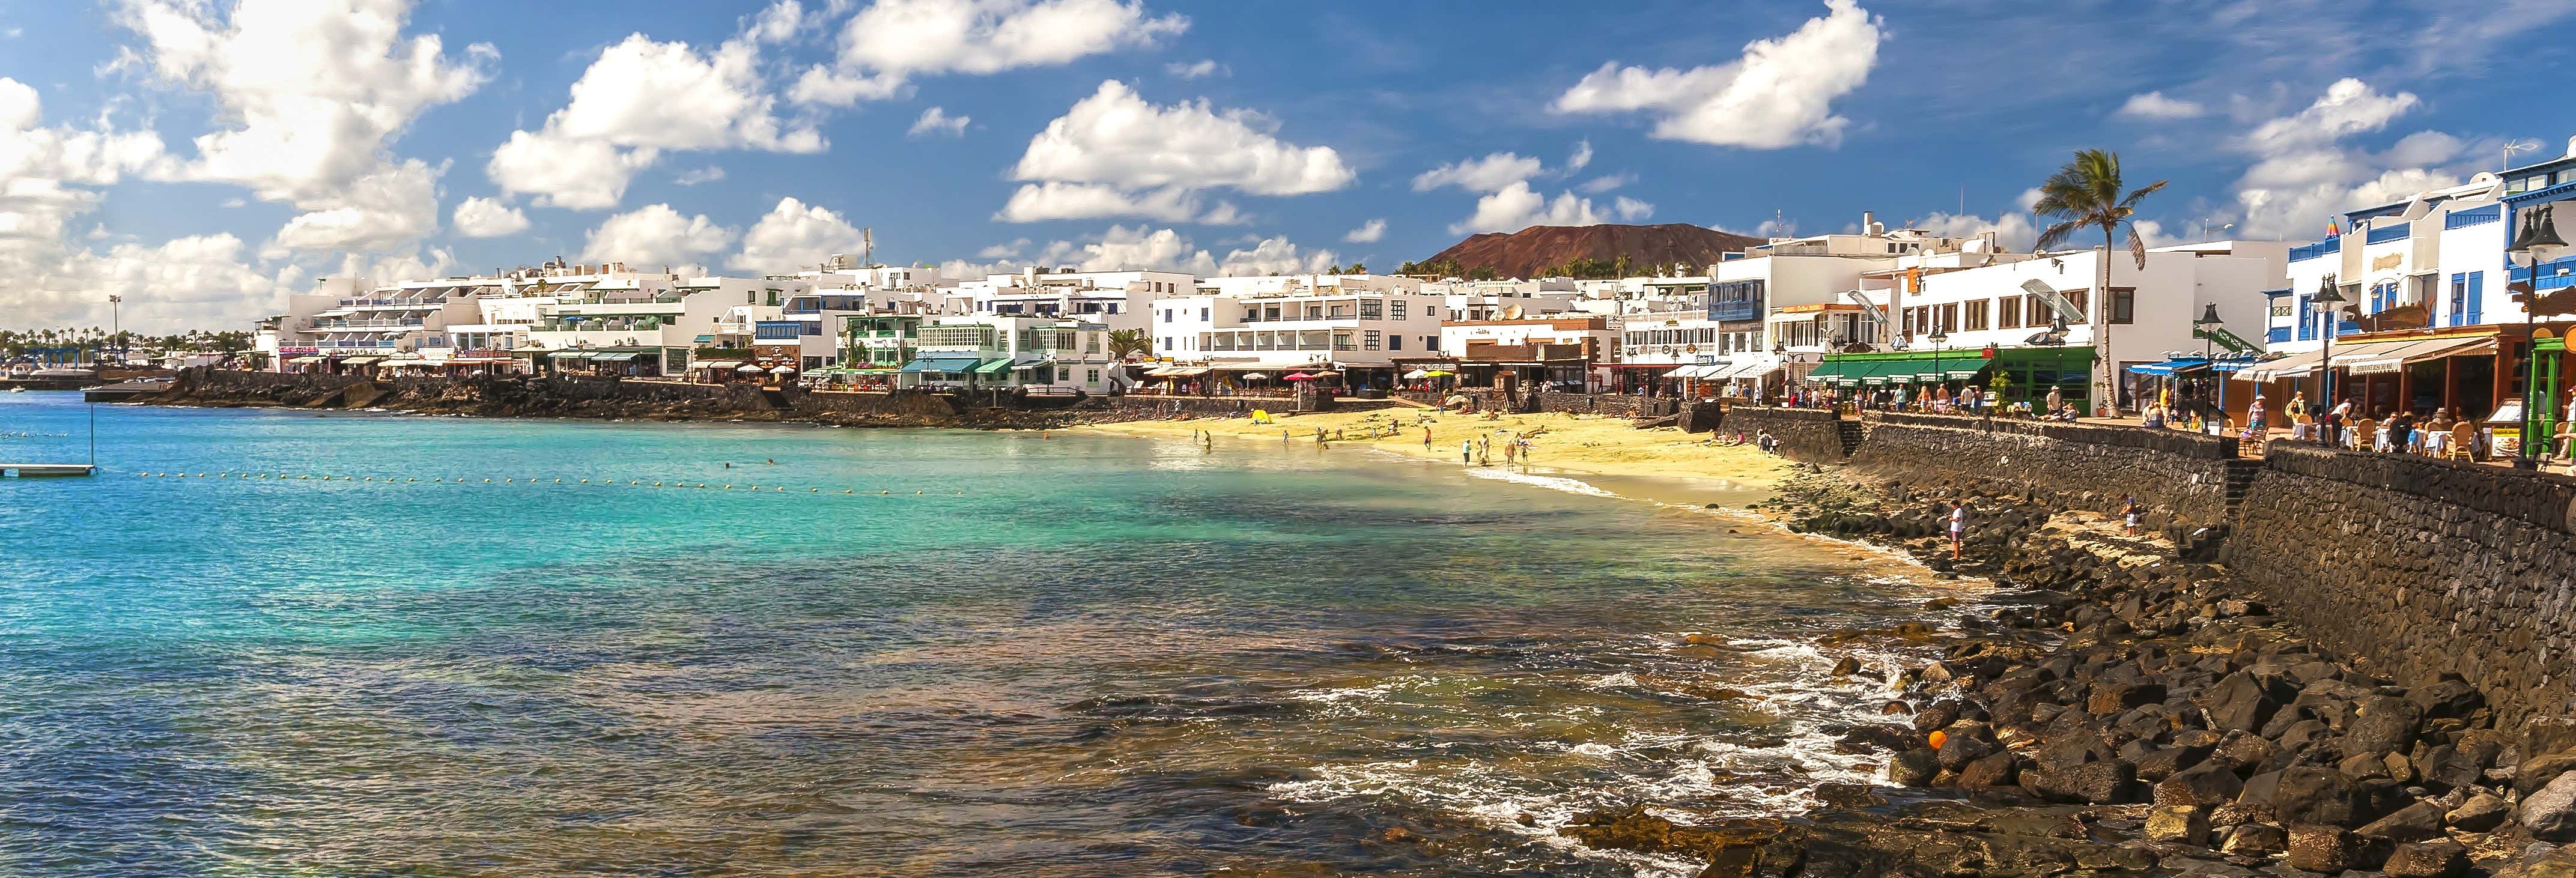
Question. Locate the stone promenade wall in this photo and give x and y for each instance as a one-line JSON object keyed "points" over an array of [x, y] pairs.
{"points": [[1806, 435], [2425, 567], [1619, 405], [2182, 478]]}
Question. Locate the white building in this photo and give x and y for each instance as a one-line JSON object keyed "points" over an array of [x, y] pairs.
{"points": [[346, 323], [1021, 354], [1354, 324]]}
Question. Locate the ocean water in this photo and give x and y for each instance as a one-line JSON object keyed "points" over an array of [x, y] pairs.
{"points": [[932, 653]]}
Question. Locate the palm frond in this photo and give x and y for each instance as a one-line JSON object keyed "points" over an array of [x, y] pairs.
{"points": [[2134, 197], [2137, 247], [2056, 234]]}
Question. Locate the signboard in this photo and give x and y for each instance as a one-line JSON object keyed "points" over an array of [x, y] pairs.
{"points": [[2047, 296]]}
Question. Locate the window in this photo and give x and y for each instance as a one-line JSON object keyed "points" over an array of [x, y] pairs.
{"points": [[1395, 309], [1167, 315], [1368, 340], [1906, 317], [1949, 317], [1371, 309], [1976, 316], [2477, 279], [2082, 300], [2039, 311], [1430, 342], [1091, 376], [1203, 314], [2124, 306], [2008, 312], [1167, 342], [1395, 342]]}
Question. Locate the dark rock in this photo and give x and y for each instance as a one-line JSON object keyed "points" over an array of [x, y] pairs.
{"points": [[2415, 822], [2178, 824], [1936, 715], [2364, 766], [2432, 859], [2099, 783], [2256, 838], [2323, 796], [2316, 848], [2071, 750], [2445, 698], [1847, 667], [1959, 749], [2156, 765], [2480, 813], [2240, 703], [2381, 724], [1992, 772], [1863, 739], [1913, 768], [2111, 698], [2208, 784], [2245, 753]]}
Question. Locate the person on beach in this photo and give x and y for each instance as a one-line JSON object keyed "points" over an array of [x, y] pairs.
{"points": [[2054, 400], [1426, 437], [1958, 527], [1467, 453], [1511, 453], [2129, 514]]}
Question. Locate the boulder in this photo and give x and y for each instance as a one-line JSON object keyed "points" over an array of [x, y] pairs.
{"points": [[2246, 753], [2550, 813], [2364, 766], [2184, 825], [2240, 703], [2480, 813], [1913, 768], [1992, 772], [1960, 749], [2430, 859], [2314, 795], [2111, 698], [2208, 784], [2382, 724], [2071, 750], [2416, 822], [2256, 839], [2316, 848], [2445, 698], [2156, 765]]}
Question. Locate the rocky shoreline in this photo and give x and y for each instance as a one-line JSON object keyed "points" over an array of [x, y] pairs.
{"points": [[2120, 707], [533, 397]]}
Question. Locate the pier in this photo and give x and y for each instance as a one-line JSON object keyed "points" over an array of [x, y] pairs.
{"points": [[45, 470]]}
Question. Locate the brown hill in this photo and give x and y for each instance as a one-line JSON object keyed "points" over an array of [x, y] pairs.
{"points": [[1530, 251]]}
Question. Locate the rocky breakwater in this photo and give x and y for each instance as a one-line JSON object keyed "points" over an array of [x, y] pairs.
{"points": [[513, 396], [2115, 710]]}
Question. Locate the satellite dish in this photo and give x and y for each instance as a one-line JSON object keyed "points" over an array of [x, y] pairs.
{"points": [[1511, 312]]}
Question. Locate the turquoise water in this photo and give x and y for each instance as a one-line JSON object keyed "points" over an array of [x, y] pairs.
{"points": [[1000, 653]]}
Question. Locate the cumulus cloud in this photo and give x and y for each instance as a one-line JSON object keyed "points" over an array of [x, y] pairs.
{"points": [[1369, 232], [1201, 69], [1582, 156], [1509, 204], [2156, 107], [1276, 256], [1488, 174], [795, 235], [1598, 185], [1114, 154], [1008, 250], [778, 23], [488, 218], [891, 42], [708, 174], [2304, 169], [655, 234], [1778, 94], [305, 127], [1140, 247], [2013, 230], [639, 99], [936, 121]]}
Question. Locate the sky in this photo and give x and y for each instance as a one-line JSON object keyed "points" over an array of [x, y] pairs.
{"points": [[203, 159]]}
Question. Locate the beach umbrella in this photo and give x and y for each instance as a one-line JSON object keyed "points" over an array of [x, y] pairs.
{"points": [[1327, 373], [1438, 373], [1255, 376], [1417, 373], [1300, 376]]}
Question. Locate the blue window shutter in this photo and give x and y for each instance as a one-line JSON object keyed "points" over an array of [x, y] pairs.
{"points": [[2477, 279], [2307, 321]]}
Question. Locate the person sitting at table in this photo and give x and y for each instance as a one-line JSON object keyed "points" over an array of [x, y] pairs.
{"points": [[2428, 439]]}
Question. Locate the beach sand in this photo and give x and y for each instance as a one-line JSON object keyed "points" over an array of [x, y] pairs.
{"points": [[1562, 443]]}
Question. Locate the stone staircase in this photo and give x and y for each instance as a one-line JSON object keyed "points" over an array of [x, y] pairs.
{"points": [[2240, 479], [1851, 432]]}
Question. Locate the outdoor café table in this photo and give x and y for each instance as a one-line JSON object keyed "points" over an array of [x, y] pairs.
{"points": [[2433, 442]]}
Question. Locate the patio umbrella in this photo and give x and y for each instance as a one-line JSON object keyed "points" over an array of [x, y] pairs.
{"points": [[1328, 373], [1416, 374], [1438, 373], [1255, 376], [1300, 376]]}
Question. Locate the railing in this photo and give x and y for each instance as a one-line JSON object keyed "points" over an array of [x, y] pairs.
{"points": [[2476, 216], [2321, 248], [365, 324], [2553, 274], [2398, 232], [2277, 334], [1741, 310]]}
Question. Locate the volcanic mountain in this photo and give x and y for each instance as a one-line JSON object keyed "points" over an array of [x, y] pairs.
{"points": [[1531, 251]]}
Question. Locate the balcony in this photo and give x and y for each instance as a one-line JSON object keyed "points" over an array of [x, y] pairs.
{"points": [[2396, 232], [2326, 247], [2476, 216], [2276, 335], [1735, 310], [334, 325]]}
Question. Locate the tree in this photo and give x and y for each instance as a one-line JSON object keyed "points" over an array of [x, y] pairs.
{"points": [[1358, 268], [1128, 344], [2085, 194], [1483, 272]]}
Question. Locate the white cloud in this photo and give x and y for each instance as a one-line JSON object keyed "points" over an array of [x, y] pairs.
{"points": [[2013, 230], [2303, 172], [655, 234], [311, 127], [1510, 204], [1201, 69], [793, 236], [1582, 156], [639, 99], [1492, 173], [1122, 248], [936, 121], [2155, 106], [778, 23], [1369, 232], [1113, 154], [1004, 251], [1598, 185], [708, 174], [1780, 93], [1277, 256], [488, 218], [886, 45]]}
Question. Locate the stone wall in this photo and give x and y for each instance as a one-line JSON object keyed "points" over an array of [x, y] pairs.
{"points": [[2182, 478], [2425, 567], [1619, 405], [1806, 435]]}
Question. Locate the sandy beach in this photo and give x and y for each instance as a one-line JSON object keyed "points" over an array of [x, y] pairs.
{"points": [[1559, 442]]}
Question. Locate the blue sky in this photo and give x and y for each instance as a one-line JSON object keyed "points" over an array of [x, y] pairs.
{"points": [[204, 159]]}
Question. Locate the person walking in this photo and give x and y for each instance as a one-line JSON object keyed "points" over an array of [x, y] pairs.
{"points": [[1467, 452], [1426, 437], [2129, 514]]}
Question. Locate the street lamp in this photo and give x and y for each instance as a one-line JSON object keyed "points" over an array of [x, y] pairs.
{"points": [[2538, 232], [1940, 336], [2333, 301], [2207, 322], [116, 319]]}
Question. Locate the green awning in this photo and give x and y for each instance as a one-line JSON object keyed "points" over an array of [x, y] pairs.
{"points": [[996, 367], [571, 355], [620, 357], [944, 365]]}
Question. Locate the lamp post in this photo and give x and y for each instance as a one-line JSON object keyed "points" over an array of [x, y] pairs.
{"points": [[1940, 337], [2538, 231], [2332, 300], [2208, 321], [116, 320]]}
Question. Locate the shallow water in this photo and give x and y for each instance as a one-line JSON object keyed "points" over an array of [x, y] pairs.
{"points": [[998, 653]]}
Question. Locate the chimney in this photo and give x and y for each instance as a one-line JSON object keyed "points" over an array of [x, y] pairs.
{"points": [[1868, 222]]}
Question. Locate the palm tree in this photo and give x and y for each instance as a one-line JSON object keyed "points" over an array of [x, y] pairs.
{"points": [[2085, 194], [1128, 344]]}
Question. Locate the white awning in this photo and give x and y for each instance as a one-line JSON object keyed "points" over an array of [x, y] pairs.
{"points": [[2291, 366], [783, 370], [748, 367], [715, 364]]}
